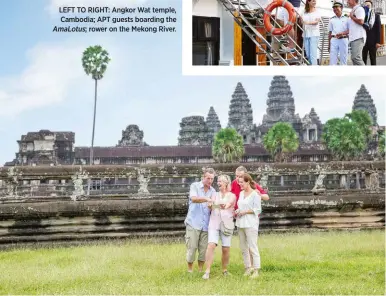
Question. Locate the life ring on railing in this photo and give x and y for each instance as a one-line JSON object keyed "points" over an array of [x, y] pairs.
{"points": [[267, 17]]}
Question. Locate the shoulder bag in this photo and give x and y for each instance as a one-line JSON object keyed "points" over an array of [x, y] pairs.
{"points": [[226, 228]]}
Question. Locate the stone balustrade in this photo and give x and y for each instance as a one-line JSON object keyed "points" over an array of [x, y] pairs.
{"points": [[72, 181], [51, 203]]}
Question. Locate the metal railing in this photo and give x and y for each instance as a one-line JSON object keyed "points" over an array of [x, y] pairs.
{"points": [[242, 7]]}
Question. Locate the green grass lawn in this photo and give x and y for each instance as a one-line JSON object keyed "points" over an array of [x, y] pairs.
{"points": [[305, 263]]}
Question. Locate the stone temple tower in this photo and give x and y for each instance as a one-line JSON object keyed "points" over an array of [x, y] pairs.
{"points": [[193, 132], [240, 113], [280, 103], [213, 123], [280, 108], [364, 101]]}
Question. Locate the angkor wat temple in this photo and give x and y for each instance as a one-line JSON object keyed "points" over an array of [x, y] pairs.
{"points": [[280, 108], [196, 135]]}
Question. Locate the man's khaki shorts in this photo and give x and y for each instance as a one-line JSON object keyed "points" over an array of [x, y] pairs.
{"points": [[195, 239]]}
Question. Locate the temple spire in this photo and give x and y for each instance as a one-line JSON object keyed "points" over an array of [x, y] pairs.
{"points": [[240, 111], [364, 101], [280, 103], [194, 132], [213, 122], [314, 116]]}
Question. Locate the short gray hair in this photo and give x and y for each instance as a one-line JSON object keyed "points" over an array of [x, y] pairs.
{"points": [[241, 169], [208, 171]]}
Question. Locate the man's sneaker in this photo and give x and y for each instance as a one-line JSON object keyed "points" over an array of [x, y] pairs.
{"points": [[248, 272], [254, 274], [226, 273], [206, 276]]}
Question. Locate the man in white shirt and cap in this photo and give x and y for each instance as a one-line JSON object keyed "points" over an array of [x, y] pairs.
{"points": [[337, 36]]}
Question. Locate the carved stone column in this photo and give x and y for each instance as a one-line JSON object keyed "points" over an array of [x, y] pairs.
{"points": [[343, 181], [372, 181], [358, 183]]}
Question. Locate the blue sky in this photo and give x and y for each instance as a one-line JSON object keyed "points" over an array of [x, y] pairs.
{"points": [[43, 86]]}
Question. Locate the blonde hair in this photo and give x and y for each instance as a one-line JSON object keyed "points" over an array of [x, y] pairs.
{"points": [[226, 179]]}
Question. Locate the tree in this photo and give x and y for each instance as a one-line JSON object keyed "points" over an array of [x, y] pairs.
{"points": [[381, 143], [228, 146], [329, 129], [344, 138], [364, 122], [280, 140], [94, 62]]}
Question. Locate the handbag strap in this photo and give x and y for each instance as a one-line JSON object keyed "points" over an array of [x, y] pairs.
{"points": [[220, 207]]}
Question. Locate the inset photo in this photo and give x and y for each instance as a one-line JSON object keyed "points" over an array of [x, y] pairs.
{"points": [[288, 32]]}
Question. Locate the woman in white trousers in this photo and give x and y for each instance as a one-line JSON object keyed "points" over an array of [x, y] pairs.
{"points": [[247, 222]]}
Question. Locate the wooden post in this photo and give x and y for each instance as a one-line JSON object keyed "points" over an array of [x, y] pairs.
{"points": [[237, 44], [383, 34]]}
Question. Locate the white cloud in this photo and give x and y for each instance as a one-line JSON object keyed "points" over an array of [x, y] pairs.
{"points": [[53, 70], [53, 5]]}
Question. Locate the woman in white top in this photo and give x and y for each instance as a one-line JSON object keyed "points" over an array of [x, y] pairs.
{"points": [[247, 222], [311, 18], [222, 205]]}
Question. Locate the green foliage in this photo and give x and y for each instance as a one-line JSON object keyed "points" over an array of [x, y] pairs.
{"points": [[280, 140], [94, 61], [228, 146], [364, 122], [329, 129], [344, 138], [381, 143]]}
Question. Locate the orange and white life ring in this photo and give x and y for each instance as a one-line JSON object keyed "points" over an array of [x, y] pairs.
{"points": [[267, 17]]}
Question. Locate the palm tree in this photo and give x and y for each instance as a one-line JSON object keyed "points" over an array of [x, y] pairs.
{"points": [[94, 62], [344, 138], [280, 140], [228, 146]]}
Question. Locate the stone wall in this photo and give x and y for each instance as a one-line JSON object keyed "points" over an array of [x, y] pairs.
{"points": [[51, 203]]}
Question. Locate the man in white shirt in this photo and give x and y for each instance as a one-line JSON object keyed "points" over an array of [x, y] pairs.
{"points": [[357, 34], [338, 39]]}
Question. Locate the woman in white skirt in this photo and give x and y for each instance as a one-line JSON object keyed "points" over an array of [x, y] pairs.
{"points": [[247, 222]]}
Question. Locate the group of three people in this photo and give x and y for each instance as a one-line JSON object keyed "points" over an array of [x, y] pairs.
{"points": [[361, 33], [344, 31], [211, 216]]}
